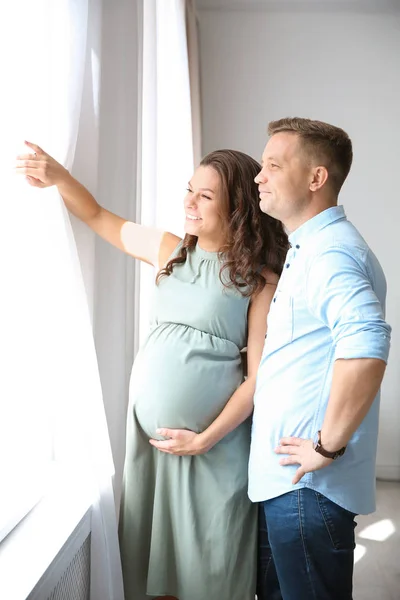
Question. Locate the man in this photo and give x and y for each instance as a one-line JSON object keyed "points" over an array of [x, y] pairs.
{"points": [[315, 424]]}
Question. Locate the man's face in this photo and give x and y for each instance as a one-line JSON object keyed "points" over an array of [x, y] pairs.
{"points": [[284, 179]]}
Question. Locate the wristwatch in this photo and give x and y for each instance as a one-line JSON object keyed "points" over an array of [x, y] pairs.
{"points": [[321, 450]]}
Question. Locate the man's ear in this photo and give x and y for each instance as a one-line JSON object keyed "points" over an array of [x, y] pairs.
{"points": [[319, 178]]}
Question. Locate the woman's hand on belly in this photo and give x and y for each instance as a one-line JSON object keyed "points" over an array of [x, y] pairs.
{"points": [[181, 442]]}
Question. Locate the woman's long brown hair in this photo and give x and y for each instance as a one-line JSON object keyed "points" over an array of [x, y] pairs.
{"points": [[253, 239]]}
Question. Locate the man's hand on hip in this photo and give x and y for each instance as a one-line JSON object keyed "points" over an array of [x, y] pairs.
{"points": [[301, 452]]}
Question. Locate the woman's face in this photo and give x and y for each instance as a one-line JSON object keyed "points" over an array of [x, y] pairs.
{"points": [[202, 206]]}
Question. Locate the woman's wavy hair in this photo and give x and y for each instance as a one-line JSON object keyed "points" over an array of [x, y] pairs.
{"points": [[252, 239]]}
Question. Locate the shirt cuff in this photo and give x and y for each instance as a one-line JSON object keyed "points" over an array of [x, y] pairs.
{"points": [[363, 344]]}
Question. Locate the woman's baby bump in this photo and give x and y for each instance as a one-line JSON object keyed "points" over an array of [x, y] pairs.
{"points": [[183, 381]]}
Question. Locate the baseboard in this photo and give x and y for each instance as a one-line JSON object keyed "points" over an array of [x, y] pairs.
{"points": [[388, 472]]}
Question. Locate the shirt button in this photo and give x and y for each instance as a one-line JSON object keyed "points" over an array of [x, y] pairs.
{"points": [[297, 246], [274, 300], [288, 265]]}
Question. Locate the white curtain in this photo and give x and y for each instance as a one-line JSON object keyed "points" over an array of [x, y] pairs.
{"points": [[192, 27], [115, 307], [51, 402], [167, 150]]}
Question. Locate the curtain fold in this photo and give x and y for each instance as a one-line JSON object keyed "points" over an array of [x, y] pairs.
{"points": [[170, 116], [192, 28]]}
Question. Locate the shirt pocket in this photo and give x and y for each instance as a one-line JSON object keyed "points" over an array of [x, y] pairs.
{"points": [[280, 320]]}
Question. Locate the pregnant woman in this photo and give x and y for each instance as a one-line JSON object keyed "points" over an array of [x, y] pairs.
{"points": [[187, 527]]}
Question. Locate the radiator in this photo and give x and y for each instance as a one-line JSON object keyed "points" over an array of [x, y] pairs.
{"points": [[68, 576]]}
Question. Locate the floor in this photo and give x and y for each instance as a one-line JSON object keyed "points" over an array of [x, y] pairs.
{"points": [[377, 557]]}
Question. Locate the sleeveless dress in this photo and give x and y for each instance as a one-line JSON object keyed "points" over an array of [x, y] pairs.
{"points": [[187, 527]]}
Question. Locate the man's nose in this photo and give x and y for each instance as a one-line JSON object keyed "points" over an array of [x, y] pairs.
{"points": [[261, 177]]}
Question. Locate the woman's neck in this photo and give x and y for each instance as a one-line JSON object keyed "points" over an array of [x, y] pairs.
{"points": [[209, 245]]}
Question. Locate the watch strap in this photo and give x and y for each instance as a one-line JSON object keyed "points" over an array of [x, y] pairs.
{"points": [[321, 450]]}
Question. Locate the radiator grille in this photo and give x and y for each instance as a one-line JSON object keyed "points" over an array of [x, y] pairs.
{"points": [[74, 584]]}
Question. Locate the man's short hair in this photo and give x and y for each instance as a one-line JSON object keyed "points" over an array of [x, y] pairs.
{"points": [[324, 145]]}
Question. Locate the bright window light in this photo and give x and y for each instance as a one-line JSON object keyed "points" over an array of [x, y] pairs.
{"points": [[379, 531], [50, 393], [359, 552]]}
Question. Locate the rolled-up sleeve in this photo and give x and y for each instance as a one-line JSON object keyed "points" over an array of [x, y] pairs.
{"points": [[340, 294]]}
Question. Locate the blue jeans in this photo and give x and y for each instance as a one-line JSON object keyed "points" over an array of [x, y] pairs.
{"points": [[306, 548]]}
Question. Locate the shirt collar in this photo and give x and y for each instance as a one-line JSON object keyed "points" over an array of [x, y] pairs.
{"points": [[312, 226]]}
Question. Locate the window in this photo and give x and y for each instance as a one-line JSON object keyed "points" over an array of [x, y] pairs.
{"points": [[48, 375]]}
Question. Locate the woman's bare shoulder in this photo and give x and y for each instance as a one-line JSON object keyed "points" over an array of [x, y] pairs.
{"points": [[169, 242]]}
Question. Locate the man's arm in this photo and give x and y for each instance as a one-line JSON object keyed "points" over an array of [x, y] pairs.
{"points": [[355, 385], [340, 295]]}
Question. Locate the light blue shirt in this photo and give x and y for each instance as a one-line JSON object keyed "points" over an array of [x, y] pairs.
{"points": [[329, 304]]}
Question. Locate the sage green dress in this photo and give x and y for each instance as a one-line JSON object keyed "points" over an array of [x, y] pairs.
{"points": [[187, 527]]}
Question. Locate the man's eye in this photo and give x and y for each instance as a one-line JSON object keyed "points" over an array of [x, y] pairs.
{"points": [[273, 165]]}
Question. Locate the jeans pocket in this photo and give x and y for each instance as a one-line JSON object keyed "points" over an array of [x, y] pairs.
{"points": [[339, 523]]}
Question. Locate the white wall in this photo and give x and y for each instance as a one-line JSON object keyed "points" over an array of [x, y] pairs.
{"points": [[263, 61]]}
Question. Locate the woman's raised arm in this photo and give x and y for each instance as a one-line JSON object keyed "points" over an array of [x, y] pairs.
{"points": [[148, 244]]}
